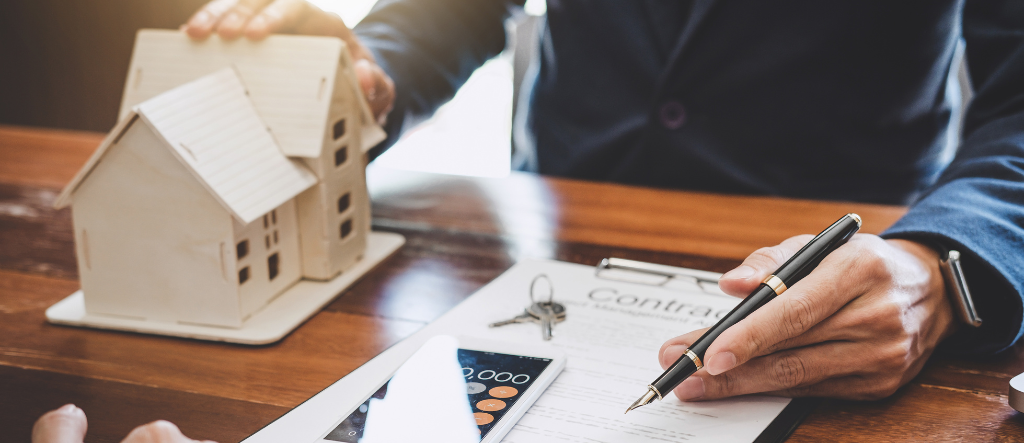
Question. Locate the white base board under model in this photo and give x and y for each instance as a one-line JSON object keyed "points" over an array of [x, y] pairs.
{"points": [[270, 324]]}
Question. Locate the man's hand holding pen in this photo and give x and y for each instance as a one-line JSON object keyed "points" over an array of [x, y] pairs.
{"points": [[859, 326]]}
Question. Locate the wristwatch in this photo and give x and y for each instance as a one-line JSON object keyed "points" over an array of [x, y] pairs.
{"points": [[956, 287]]}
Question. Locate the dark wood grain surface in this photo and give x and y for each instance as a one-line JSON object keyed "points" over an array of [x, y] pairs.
{"points": [[461, 233]]}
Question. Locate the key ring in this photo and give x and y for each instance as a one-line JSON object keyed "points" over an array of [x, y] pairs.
{"points": [[551, 288]]}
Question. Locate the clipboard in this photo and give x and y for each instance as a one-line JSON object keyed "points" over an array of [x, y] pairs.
{"points": [[633, 271], [495, 301]]}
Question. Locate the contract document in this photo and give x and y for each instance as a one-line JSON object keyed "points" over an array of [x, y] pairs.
{"points": [[612, 334]]}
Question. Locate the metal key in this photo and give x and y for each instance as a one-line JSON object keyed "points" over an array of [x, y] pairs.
{"points": [[525, 317], [541, 309], [547, 321], [534, 313], [545, 313]]}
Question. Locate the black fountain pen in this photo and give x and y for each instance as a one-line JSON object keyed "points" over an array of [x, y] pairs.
{"points": [[796, 268]]}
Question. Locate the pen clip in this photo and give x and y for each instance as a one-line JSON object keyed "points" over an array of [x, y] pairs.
{"points": [[651, 274]]}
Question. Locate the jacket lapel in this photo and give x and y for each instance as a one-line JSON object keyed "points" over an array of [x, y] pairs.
{"points": [[700, 10]]}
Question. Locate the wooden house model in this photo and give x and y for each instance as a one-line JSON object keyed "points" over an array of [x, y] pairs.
{"points": [[235, 173], [306, 91]]}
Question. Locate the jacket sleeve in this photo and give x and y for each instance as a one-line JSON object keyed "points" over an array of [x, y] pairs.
{"points": [[977, 205], [429, 48]]}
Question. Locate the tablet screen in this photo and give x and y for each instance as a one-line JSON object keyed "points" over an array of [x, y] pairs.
{"points": [[494, 382]]}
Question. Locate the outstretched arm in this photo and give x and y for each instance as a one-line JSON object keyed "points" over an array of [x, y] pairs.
{"points": [[411, 55], [977, 205]]}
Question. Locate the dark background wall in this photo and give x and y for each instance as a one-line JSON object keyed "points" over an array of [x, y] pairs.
{"points": [[63, 62]]}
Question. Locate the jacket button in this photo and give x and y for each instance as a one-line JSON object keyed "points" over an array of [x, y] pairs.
{"points": [[672, 114]]}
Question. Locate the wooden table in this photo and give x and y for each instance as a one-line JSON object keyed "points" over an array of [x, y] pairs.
{"points": [[461, 233]]}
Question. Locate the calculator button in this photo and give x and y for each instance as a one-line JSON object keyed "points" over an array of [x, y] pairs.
{"points": [[482, 418], [491, 404], [475, 388], [503, 392]]}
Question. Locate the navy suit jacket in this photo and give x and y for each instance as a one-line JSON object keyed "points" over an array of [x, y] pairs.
{"points": [[840, 99]]}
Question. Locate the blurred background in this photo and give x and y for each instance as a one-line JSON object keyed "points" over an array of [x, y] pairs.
{"points": [[63, 64]]}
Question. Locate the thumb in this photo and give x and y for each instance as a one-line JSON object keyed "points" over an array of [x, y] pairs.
{"points": [[743, 280], [64, 425], [365, 75], [377, 87]]}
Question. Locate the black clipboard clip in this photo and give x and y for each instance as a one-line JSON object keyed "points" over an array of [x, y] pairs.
{"points": [[652, 274]]}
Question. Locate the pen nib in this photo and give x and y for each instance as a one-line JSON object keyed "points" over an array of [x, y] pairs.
{"points": [[642, 401]]}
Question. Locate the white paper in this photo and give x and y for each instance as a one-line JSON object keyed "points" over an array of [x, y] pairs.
{"points": [[612, 334]]}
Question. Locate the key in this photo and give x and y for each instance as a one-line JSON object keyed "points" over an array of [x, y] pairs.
{"points": [[547, 314], [525, 317], [540, 309], [547, 322], [534, 314]]}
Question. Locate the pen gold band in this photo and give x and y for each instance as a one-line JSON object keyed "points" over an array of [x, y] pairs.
{"points": [[695, 358], [776, 284], [656, 391]]}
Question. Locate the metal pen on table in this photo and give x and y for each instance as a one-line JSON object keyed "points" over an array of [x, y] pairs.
{"points": [[796, 268]]}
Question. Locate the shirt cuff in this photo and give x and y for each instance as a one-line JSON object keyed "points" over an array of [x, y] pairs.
{"points": [[959, 216]]}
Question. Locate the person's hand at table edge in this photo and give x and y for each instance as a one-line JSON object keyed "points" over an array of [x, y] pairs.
{"points": [[68, 425], [861, 325], [257, 19]]}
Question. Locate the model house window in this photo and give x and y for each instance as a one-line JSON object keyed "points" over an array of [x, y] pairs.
{"points": [[273, 265], [266, 223], [243, 275], [340, 155], [266, 240], [339, 129], [343, 203], [242, 248], [275, 236], [346, 228], [273, 216]]}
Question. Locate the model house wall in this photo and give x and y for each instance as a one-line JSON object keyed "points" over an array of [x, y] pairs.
{"points": [[266, 256], [334, 227], [129, 214], [335, 209]]}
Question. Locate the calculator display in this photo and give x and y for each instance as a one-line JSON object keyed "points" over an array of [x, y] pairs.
{"points": [[494, 382]]}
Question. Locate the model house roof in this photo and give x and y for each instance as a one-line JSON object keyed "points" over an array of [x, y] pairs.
{"points": [[291, 79], [213, 129]]}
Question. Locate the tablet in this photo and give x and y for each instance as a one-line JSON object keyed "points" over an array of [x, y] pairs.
{"points": [[497, 383]]}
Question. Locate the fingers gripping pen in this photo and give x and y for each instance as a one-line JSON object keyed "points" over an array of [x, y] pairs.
{"points": [[796, 268]]}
